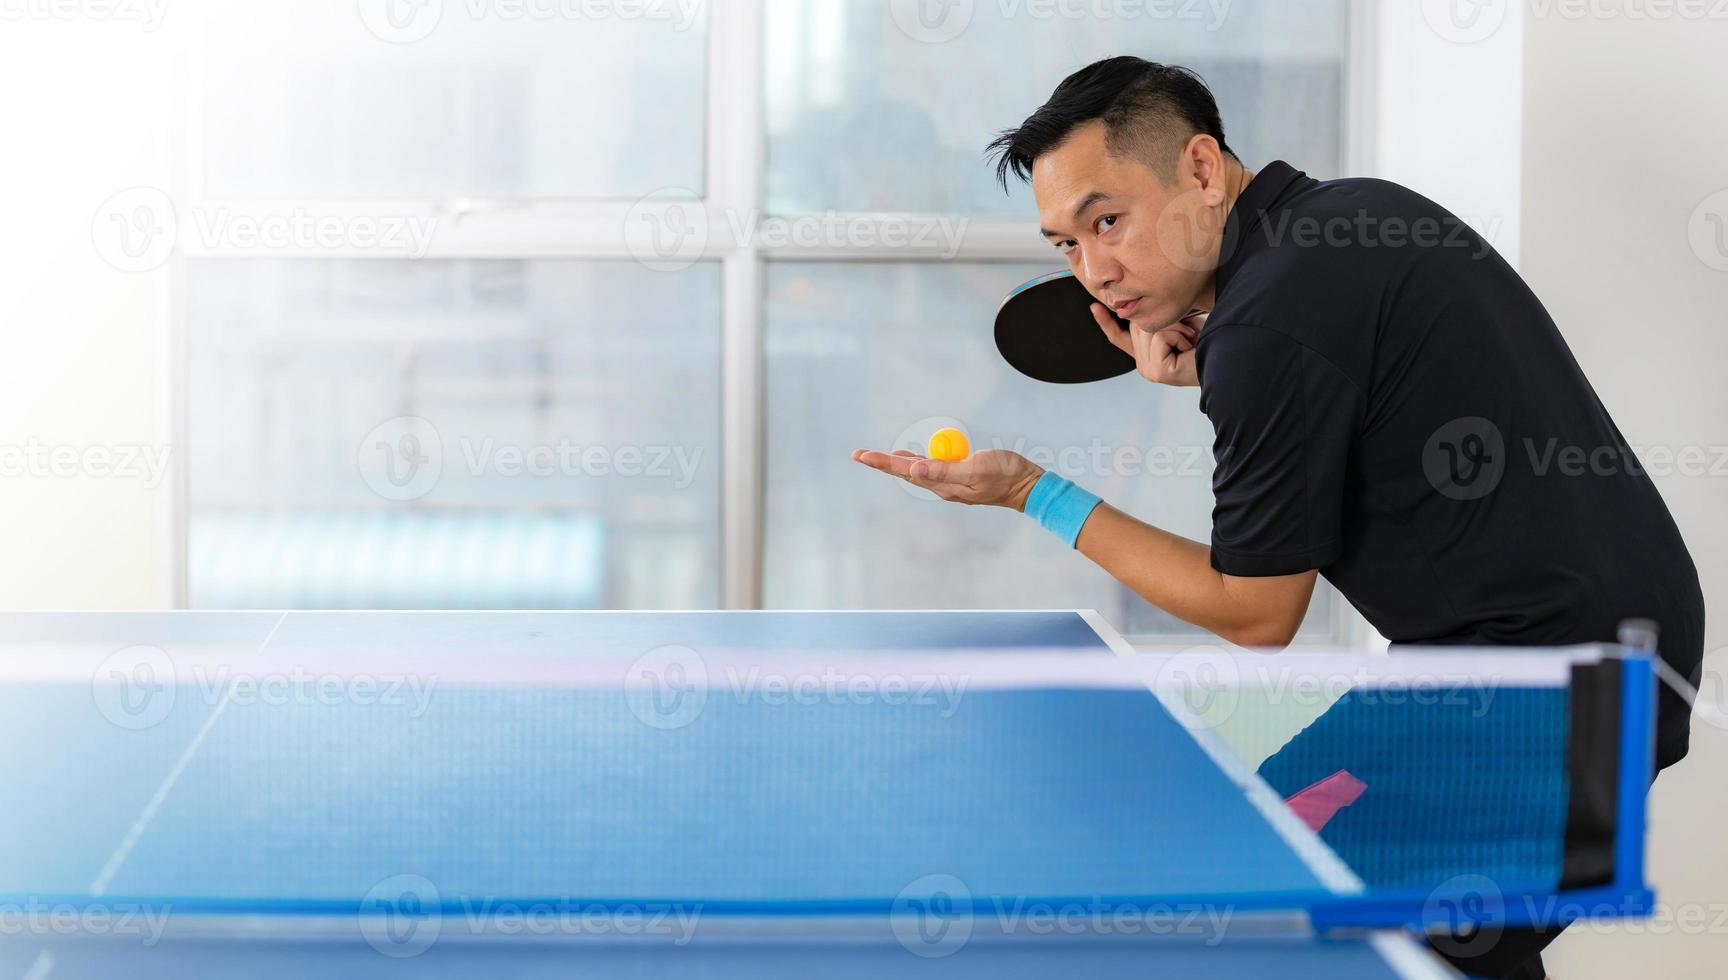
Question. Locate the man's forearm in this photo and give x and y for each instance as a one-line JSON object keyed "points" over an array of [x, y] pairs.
{"points": [[1176, 575]]}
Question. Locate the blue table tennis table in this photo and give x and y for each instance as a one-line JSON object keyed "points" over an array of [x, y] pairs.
{"points": [[340, 793]]}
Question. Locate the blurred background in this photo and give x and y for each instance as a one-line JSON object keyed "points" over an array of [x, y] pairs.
{"points": [[528, 303], [638, 277]]}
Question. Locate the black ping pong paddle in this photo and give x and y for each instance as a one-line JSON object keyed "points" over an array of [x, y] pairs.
{"points": [[1045, 330]]}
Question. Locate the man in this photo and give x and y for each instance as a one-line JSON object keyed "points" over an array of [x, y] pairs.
{"points": [[1393, 408]]}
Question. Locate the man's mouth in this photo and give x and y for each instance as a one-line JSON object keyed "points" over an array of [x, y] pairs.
{"points": [[1126, 308]]}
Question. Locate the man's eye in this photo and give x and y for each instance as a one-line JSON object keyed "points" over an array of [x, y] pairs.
{"points": [[1104, 224], [1065, 246]]}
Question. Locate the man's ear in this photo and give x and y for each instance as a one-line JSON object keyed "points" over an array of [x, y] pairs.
{"points": [[1203, 160]]}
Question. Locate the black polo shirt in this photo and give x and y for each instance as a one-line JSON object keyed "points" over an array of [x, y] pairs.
{"points": [[1394, 407]]}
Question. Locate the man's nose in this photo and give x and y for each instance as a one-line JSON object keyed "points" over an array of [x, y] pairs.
{"points": [[1098, 276]]}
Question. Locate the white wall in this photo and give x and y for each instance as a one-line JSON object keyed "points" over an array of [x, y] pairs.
{"points": [[1593, 145], [1626, 133], [82, 369], [1444, 116]]}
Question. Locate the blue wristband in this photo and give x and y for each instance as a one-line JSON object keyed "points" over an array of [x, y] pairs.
{"points": [[1060, 506]]}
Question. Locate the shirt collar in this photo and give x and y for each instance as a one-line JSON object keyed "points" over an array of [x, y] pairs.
{"points": [[1269, 188]]}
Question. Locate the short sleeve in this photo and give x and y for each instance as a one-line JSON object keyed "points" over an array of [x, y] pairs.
{"points": [[1284, 420]]}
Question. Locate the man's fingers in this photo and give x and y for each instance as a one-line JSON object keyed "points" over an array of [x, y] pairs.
{"points": [[987, 477], [909, 466], [893, 464], [928, 471], [1112, 329], [1179, 339], [950, 481]]}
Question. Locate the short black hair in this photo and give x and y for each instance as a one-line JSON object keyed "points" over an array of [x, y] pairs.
{"points": [[1148, 109]]}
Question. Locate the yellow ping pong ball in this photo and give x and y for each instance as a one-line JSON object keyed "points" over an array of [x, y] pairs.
{"points": [[949, 445]]}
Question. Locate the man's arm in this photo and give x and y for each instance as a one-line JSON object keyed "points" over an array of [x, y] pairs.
{"points": [[1169, 571], [1176, 575]]}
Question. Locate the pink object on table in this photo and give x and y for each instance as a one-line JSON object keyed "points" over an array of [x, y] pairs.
{"points": [[1319, 803]]}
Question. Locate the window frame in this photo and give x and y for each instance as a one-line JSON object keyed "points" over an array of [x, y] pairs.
{"points": [[734, 165]]}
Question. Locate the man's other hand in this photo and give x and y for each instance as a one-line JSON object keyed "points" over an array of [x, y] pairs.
{"points": [[993, 478], [1164, 356]]}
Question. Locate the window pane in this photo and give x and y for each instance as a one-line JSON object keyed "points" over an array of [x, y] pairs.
{"points": [[500, 433], [871, 109], [876, 356], [329, 99]]}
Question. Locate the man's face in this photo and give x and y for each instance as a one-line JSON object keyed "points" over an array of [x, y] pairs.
{"points": [[1145, 246]]}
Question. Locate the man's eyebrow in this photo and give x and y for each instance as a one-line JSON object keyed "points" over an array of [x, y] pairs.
{"points": [[1085, 204]]}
